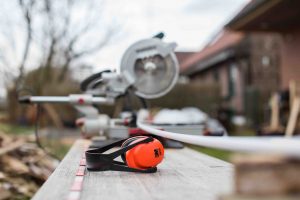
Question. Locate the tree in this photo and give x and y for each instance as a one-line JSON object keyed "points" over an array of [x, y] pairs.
{"points": [[51, 36], [55, 33], [26, 8]]}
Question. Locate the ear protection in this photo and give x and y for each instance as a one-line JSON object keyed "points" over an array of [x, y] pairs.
{"points": [[140, 154]]}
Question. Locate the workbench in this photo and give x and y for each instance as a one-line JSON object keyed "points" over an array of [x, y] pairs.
{"points": [[183, 174]]}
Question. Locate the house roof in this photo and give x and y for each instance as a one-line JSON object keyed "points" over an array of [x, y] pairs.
{"points": [[182, 56], [268, 15], [223, 41]]}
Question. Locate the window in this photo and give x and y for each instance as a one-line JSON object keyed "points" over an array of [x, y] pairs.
{"points": [[216, 75], [265, 61], [232, 80]]}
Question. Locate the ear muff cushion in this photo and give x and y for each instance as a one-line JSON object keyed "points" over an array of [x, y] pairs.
{"points": [[145, 155], [127, 142]]}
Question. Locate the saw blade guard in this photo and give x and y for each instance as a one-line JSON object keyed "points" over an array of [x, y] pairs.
{"points": [[151, 66]]}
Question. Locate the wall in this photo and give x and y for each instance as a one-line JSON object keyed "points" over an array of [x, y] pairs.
{"points": [[219, 75], [290, 60], [265, 62], [256, 65]]}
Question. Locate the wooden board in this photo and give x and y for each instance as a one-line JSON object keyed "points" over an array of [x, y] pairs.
{"points": [[184, 174], [266, 175]]}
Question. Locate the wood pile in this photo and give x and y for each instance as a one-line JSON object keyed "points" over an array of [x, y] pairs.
{"points": [[23, 167], [285, 113]]}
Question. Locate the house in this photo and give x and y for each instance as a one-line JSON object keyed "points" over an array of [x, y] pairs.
{"points": [[182, 56], [238, 62], [276, 16]]}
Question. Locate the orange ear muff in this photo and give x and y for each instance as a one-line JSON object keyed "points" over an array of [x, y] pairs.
{"points": [[143, 156]]}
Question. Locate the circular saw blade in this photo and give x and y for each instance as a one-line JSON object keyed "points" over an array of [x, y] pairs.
{"points": [[154, 71]]}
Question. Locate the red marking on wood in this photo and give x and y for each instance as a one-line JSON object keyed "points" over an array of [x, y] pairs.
{"points": [[80, 171], [77, 184], [83, 162]]}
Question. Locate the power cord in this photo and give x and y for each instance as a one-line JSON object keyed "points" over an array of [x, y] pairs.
{"points": [[36, 134], [19, 89]]}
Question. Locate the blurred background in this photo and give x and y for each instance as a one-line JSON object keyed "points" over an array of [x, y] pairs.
{"points": [[239, 59]]}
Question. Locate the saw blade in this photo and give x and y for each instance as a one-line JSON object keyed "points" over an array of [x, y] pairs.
{"points": [[152, 81], [153, 66]]}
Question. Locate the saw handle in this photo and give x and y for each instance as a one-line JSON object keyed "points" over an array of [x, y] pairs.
{"points": [[159, 35], [24, 99], [88, 83]]}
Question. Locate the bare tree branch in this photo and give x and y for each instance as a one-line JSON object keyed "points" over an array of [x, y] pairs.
{"points": [[93, 49], [54, 32], [27, 12]]}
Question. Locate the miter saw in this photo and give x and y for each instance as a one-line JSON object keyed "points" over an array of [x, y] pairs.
{"points": [[149, 68]]}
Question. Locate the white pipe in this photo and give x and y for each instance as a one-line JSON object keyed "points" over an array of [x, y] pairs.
{"points": [[268, 145]]}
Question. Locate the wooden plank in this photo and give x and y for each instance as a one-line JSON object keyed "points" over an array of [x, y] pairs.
{"points": [[293, 118], [58, 184], [274, 123], [10, 147], [266, 175], [184, 174], [293, 92]]}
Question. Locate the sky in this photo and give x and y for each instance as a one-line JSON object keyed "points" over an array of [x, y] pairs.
{"points": [[189, 23]]}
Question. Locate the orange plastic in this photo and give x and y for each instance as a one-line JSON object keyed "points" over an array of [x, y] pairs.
{"points": [[146, 155]]}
